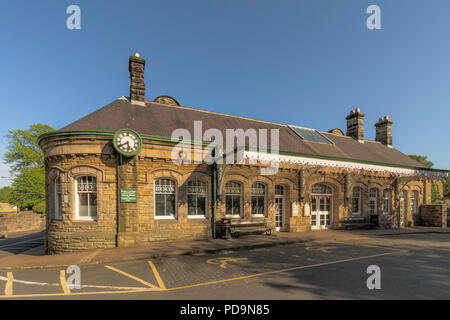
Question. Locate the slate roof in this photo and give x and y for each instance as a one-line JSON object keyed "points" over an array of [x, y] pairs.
{"points": [[160, 120]]}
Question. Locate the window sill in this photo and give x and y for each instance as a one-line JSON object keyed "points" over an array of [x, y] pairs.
{"points": [[258, 216], [84, 220], [165, 218], [234, 216], [197, 217]]}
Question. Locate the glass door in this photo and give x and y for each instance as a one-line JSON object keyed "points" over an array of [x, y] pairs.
{"points": [[278, 212], [320, 212]]}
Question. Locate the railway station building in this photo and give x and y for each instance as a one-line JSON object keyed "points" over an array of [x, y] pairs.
{"points": [[111, 180]]}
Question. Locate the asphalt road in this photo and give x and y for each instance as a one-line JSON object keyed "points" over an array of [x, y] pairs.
{"points": [[415, 266], [20, 242]]}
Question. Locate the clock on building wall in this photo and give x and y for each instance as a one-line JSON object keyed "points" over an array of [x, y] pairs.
{"points": [[127, 142]]}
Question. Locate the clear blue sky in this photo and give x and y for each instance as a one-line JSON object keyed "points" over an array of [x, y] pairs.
{"points": [[299, 62]]}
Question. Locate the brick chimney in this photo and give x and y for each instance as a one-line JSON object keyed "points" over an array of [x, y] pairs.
{"points": [[384, 131], [355, 128], [136, 68]]}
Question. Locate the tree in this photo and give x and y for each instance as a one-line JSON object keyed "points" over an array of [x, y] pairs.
{"points": [[27, 165], [23, 150], [5, 194], [423, 160], [446, 184], [28, 189]]}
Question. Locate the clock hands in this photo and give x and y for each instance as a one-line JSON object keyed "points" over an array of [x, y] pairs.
{"points": [[125, 143]]}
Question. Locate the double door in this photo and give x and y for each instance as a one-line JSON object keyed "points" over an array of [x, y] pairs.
{"points": [[320, 212]]}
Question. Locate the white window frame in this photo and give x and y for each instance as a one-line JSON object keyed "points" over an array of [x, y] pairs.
{"points": [[198, 216], [264, 214], [57, 201], [373, 200], [169, 217], [389, 201], [357, 213], [241, 205], [77, 200]]}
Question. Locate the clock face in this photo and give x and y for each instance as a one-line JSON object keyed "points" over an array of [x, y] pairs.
{"points": [[127, 142]]}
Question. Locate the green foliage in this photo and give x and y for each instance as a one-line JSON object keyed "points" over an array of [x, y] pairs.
{"points": [[28, 189], [5, 193], [446, 184], [27, 165], [435, 195], [22, 150], [423, 160], [39, 207]]}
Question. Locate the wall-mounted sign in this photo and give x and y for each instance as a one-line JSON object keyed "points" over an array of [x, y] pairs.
{"points": [[307, 210], [128, 195], [295, 208]]}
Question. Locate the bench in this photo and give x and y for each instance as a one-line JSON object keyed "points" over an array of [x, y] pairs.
{"points": [[236, 228], [357, 222]]}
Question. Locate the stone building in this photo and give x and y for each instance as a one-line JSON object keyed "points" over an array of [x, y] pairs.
{"points": [[111, 180]]}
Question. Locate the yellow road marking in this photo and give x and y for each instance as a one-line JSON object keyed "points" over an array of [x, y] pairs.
{"points": [[9, 284], [157, 276], [224, 261], [322, 249], [62, 279], [132, 277], [206, 283], [365, 245], [286, 270]]}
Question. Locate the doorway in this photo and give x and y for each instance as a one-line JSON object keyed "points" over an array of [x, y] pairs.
{"points": [[320, 212], [279, 207], [321, 198]]}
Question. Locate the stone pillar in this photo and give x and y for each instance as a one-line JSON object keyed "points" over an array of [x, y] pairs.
{"points": [[302, 185], [127, 217], [347, 193]]}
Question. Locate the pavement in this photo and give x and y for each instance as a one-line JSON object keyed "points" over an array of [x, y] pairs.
{"points": [[35, 257]]}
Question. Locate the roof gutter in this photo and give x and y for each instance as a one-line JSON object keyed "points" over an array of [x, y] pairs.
{"points": [[247, 148]]}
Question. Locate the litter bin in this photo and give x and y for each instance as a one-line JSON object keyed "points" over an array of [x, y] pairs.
{"points": [[225, 228]]}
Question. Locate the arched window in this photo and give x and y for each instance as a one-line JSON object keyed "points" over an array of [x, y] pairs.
{"points": [[414, 201], [86, 198], [196, 193], [58, 199], [387, 201], [373, 201], [165, 195], [258, 198], [356, 200], [320, 188], [233, 198]]}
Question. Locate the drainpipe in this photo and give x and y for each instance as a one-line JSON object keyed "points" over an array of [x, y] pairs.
{"points": [[214, 196]]}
